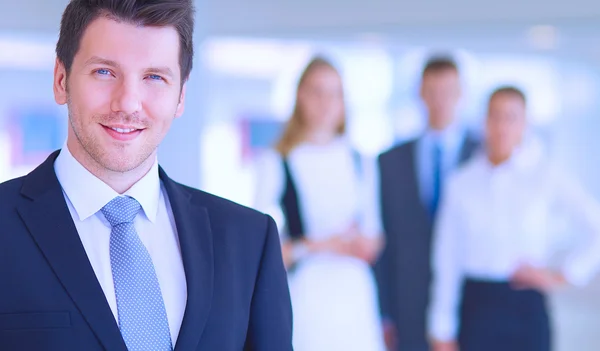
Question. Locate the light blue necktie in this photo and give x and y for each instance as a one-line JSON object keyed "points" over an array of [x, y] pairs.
{"points": [[142, 315]]}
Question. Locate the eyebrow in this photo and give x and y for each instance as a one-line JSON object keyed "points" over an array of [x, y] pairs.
{"points": [[96, 60], [161, 70]]}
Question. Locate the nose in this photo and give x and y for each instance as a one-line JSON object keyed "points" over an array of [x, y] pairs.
{"points": [[127, 97]]}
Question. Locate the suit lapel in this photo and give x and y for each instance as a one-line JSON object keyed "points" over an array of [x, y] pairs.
{"points": [[47, 217], [412, 162], [195, 237], [469, 146]]}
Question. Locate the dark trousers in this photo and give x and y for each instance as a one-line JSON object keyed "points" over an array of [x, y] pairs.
{"points": [[495, 317]]}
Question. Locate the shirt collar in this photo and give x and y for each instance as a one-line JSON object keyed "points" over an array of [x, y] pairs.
{"points": [[450, 138], [525, 156], [89, 194]]}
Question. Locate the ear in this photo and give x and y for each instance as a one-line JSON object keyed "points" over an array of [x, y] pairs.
{"points": [[181, 104], [60, 83]]}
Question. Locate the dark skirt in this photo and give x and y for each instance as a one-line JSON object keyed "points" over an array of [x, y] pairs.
{"points": [[495, 317]]}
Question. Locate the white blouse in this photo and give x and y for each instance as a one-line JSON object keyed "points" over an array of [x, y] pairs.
{"points": [[334, 190], [495, 218]]}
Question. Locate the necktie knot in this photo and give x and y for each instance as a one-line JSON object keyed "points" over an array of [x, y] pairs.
{"points": [[121, 209]]}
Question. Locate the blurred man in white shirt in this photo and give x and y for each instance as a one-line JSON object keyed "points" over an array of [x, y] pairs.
{"points": [[495, 235]]}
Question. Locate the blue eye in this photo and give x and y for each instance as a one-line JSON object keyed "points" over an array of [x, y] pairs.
{"points": [[103, 72], [155, 77]]}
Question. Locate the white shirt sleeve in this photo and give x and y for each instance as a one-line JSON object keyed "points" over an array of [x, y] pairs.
{"points": [[583, 262], [447, 268], [371, 219], [270, 182]]}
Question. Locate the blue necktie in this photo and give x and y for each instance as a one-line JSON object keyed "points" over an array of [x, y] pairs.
{"points": [[142, 315], [437, 178]]}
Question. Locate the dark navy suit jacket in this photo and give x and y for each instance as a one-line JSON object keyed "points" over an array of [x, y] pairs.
{"points": [[50, 299]]}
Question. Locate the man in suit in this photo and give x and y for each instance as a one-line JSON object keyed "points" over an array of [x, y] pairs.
{"points": [[99, 248], [411, 183]]}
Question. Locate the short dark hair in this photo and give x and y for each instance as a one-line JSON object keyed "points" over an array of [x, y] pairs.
{"points": [[509, 90], [440, 63], [157, 13]]}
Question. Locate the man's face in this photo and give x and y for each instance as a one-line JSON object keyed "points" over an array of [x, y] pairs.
{"points": [[505, 125], [441, 92], [123, 92]]}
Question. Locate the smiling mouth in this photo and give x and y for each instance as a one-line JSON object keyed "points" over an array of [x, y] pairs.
{"points": [[123, 133], [123, 130]]}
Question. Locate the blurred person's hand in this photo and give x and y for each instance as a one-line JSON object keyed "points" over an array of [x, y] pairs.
{"points": [[444, 346], [293, 252], [361, 246], [287, 253], [390, 334], [541, 279], [338, 244], [350, 242], [335, 244], [341, 244], [365, 248]]}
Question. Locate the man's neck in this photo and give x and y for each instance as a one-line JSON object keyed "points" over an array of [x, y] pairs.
{"points": [[118, 181], [440, 123], [498, 159], [121, 182]]}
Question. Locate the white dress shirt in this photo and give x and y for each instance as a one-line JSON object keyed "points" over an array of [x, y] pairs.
{"points": [[333, 189], [86, 195], [495, 218]]}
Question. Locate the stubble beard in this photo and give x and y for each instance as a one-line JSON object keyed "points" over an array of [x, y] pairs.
{"points": [[116, 157]]}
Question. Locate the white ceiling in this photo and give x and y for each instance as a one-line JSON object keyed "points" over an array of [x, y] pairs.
{"points": [[482, 24], [244, 16], [238, 16], [31, 15]]}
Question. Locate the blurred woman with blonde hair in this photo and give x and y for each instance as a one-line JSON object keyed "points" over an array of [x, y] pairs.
{"points": [[326, 193]]}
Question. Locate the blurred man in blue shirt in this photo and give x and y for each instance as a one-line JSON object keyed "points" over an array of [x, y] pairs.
{"points": [[412, 177]]}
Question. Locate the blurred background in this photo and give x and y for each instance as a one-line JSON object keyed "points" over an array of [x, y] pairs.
{"points": [[249, 55]]}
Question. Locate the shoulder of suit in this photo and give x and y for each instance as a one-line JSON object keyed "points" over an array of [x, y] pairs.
{"points": [[222, 207], [397, 149], [10, 191], [472, 140], [12, 186]]}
